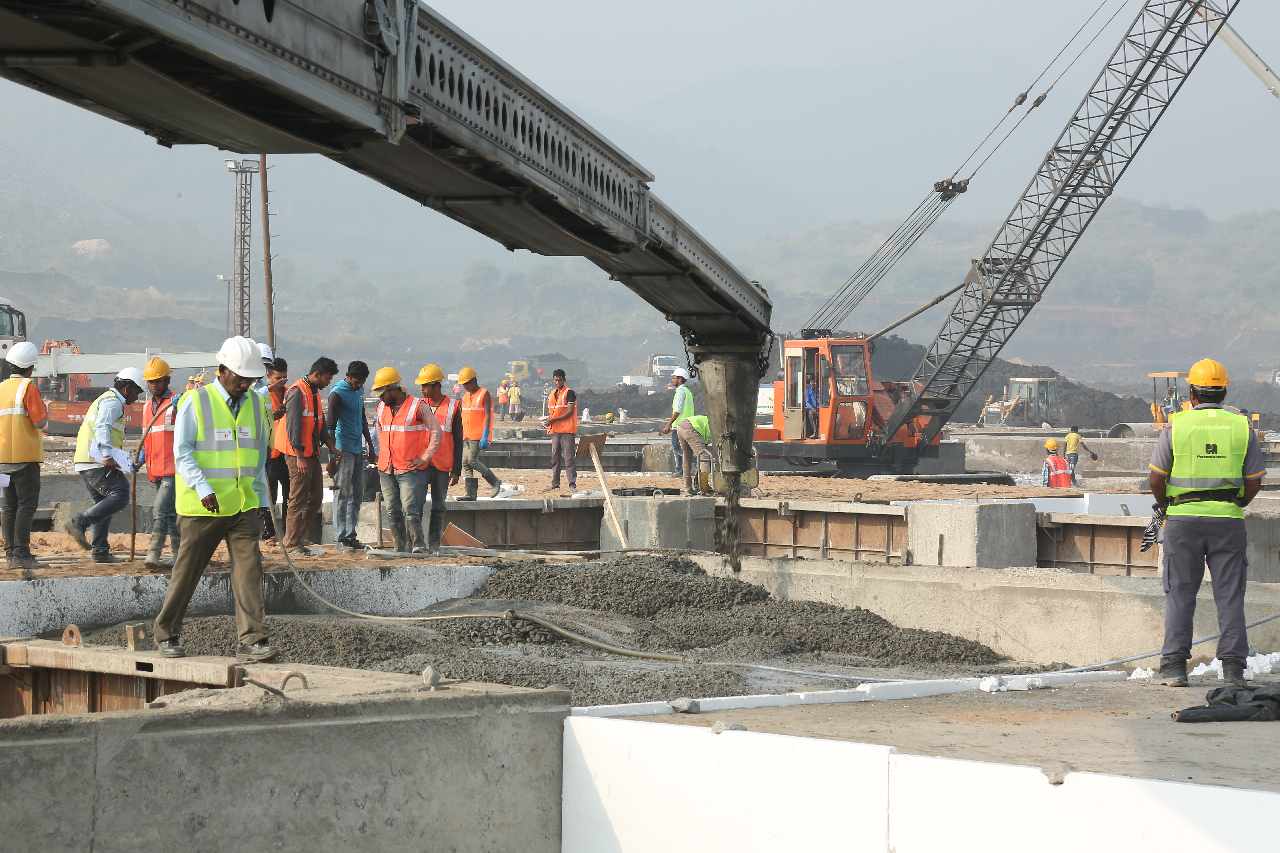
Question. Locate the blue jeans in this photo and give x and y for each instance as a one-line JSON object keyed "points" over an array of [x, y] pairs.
{"points": [[678, 451], [404, 494], [164, 517], [110, 489], [349, 485]]}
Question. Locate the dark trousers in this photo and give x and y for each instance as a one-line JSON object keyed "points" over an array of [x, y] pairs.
{"points": [[306, 493], [110, 489], [1189, 543], [278, 489], [438, 482], [676, 451], [564, 454], [201, 536], [21, 497]]}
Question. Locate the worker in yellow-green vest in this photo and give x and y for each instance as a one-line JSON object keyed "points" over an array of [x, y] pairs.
{"points": [[1206, 468], [101, 462], [221, 442], [695, 443], [681, 408]]}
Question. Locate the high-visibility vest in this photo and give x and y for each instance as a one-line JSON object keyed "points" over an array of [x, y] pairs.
{"points": [[442, 459], [1209, 446], [279, 429], [226, 450], [157, 445], [557, 404], [686, 409], [312, 422], [1059, 472], [20, 441], [475, 414], [513, 396], [702, 426], [84, 438], [403, 436]]}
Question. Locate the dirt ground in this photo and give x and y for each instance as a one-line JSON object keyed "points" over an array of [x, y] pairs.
{"points": [[1122, 728]]}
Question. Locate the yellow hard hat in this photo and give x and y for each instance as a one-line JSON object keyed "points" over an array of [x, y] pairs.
{"points": [[466, 374], [429, 373], [1051, 444], [157, 368], [385, 378], [1207, 373]]}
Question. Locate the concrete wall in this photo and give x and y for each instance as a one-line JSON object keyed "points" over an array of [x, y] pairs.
{"points": [[648, 786], [1116, 456], [1028, 614], [649, 522], [461, 771], [968, 533]]}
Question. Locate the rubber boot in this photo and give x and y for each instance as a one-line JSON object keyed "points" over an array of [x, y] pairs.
{"points": [[434, 529], [401, 537], [1173, 672], [1233, 673], [473, 489]]}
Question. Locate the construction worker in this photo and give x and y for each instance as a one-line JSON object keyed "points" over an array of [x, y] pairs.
{"points": [[811, 408], [1074, 442], [277, 468], [513, 402], [1205, 469], [502, 399], [300, 441], [681, 408], [408, 438], [477, 426], [695, 439], [222, 436], [268, 359], [101, 432], [350, 435], [1056, 474], [562, 424], [158, 418], [446, 462], [22, 418]]}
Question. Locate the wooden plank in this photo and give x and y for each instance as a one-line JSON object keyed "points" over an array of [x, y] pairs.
{"points": [[48, 654], [120, 692], [70, 692], [10, 697]]}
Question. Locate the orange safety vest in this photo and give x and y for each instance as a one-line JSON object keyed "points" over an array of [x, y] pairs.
{"points": [[556, 406], [158, 442], [475, 414], [1059, 472], [403, 436], [279, 431], [312, 422], [20, 441], [442, 460]]}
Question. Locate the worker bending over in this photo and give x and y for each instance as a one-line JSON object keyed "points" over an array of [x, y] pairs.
{"points": [[277, 468], [303, 435], [101, 432], [1075, 441], [222, 437], [1205, 469], [477, 427], [1056, 473], [446, 462], [695, 442], [562, 424], [158, 418], [350, 433], [408, 438], [23, 417]]}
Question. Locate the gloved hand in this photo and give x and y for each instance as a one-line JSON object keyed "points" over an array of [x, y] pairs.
{"points": [[1152, 534]]}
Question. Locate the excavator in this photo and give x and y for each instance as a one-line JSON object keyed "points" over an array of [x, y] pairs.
{"points": [[830, 409]]}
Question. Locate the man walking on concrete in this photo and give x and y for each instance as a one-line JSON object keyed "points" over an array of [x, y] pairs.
{"points": [[221, 440], [158, 418], [350, 434], [277, 468], [101, 432], [477, 429], [562, 425], [1205, 469], [304, 433], [408, 438], [23, 417], [1075, 442]]}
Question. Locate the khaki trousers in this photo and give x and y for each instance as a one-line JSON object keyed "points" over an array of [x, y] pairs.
{"points": [[200, 537], [693, 451], [306, 496]]}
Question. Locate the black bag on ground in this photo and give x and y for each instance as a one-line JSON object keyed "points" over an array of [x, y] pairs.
{"points": [[1235, 704]]}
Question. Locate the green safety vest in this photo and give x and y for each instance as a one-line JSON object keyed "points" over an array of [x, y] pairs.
{"points": [[1209, 447], [687, 411], [226, 449], [702, 426], [88, 426]]}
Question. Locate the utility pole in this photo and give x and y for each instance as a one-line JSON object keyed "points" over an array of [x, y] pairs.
{"points": [[266, 255], [242, 225]]}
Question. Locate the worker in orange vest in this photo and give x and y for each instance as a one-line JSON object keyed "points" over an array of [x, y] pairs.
{"points": [[277, 468], [158, 418], [502, 400], [22, 418], [446, 462], [1056, 473], [408, 439], [303, 436], [477, 424], [562, 424]]}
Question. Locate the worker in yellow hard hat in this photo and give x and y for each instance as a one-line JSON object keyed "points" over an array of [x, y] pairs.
{"points": [[158, 418], [1205, 469], [408, 438], [477, 429], [446, 462], [1056, 473]]}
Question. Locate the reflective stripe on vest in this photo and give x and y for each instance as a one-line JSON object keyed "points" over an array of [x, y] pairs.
{"points": [[226, 449], [20, 441], [312, 422], [84, 438], [1059, 473], [475, 412], [157, 444], [1209, 447], [442, 459], [556, 406], [402, 438]]}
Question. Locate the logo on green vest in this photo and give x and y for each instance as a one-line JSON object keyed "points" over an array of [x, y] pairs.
{"points": [[1211, 450]]}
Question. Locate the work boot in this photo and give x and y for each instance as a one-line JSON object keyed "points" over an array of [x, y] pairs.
{"points": [[25, 561], [171, 648], [1233, 673], [259, 652], [10, 559], [473, 489], [415, 539], [106, 557], [73, 528], [153, 559], [497, 488], [1173, 673]]}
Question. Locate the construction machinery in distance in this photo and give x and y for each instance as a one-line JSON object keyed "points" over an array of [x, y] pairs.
{"points": [[1027, 401]]}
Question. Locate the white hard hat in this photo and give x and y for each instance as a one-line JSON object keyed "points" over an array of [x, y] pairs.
{"points": [[267, 353], [242, 357], [23, 355], [681, 372], [134, 375]]}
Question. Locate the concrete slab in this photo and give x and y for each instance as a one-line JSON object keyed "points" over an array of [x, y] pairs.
{"points": [[663, 522], [985, 535]]}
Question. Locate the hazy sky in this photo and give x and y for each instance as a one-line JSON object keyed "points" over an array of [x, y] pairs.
{"points": [[759, 119]]}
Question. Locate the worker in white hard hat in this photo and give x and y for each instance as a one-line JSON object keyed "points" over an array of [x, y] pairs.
{"points": [[100, 461], [222, 439], [22, 418], [268, 359], [681, 408]]}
